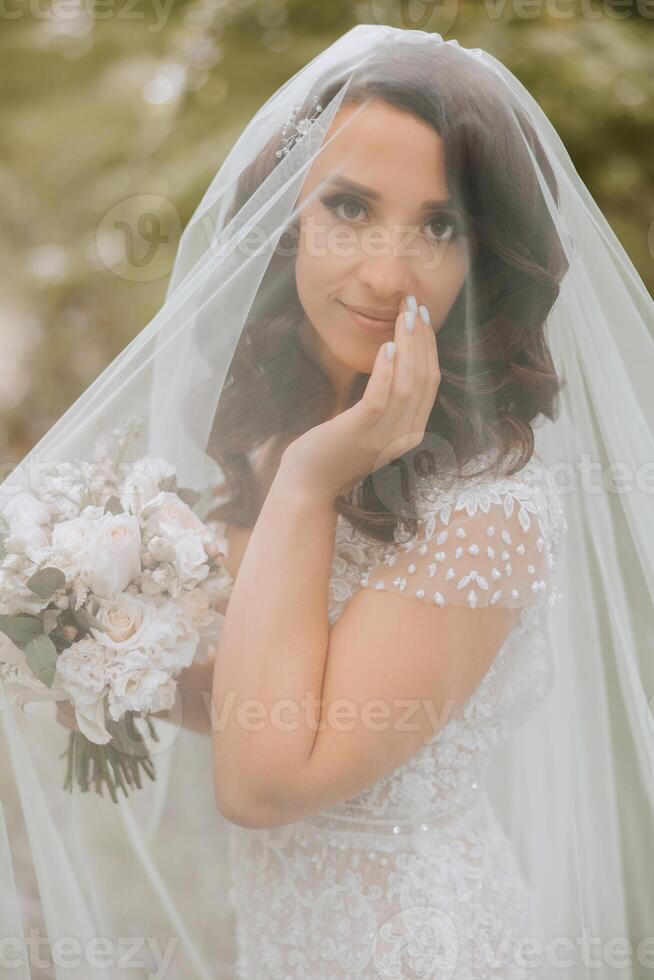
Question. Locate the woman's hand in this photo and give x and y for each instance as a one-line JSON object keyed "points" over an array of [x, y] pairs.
{"points": [[66, 715], [389, 419]]}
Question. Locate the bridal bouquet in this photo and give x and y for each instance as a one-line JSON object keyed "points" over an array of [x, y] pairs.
{"points": [[108, 582]]}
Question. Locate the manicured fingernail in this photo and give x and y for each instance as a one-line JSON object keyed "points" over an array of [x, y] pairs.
{"points": [[412, 303], [410, 320], [424, 313], [390, 350]]}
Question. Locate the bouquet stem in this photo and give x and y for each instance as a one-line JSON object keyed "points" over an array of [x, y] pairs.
{"points": [[116, 765]]}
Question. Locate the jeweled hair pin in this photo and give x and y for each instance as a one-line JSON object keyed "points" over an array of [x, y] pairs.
{"points": [[295, 127]]}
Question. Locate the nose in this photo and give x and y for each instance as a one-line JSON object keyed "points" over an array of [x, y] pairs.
{"points": [[386, 272]]}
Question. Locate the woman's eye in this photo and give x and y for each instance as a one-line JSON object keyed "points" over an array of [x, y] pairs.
{"points": [[441, 223], [350, 209], [339, 205]]}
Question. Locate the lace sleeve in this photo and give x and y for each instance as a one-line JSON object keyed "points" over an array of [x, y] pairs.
{"points": [[482, 544]]}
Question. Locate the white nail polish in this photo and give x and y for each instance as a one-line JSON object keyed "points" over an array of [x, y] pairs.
{"points": [[412, 303], [410, 320], [424, 313], [390, 349]]}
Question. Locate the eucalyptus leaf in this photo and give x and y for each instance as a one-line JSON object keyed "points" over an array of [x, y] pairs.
{"points": [[86, 620], [21, 628], [46, 581], [114, 506], [41, 656]]}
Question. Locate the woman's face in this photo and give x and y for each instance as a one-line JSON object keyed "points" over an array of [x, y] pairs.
{"points": [[380, 228]]}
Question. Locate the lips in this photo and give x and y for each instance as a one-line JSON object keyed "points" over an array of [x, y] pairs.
{"points": [[371, 324], [374, 314]]}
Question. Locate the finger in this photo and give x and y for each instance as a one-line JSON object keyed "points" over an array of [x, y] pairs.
{"points": [[378, 388], [401, 408], [432, 371], [422, 376]]}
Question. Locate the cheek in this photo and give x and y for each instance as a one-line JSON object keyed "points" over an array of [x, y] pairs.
{"points": [[318, 276], [442, 282]]}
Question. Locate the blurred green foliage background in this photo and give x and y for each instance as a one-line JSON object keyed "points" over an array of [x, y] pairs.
{"points": [[104, 101]]}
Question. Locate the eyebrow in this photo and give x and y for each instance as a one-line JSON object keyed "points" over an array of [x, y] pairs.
{"points": [[351, 185]]}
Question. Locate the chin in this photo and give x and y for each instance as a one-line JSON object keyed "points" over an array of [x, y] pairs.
{"points": [[361, 361]]}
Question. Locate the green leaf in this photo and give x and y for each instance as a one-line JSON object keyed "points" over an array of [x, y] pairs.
{"points": [[86, 620], [114, 506], [21, 629], [41, 656], [188, 495], [46, 581]]}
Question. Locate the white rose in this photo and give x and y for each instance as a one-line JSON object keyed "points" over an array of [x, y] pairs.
{"points": [[191, 558], [175, 658], [114, 553], [83, 671], [139, 626], [143, 482], [28, 518], [72, 536], [70, 541], [137, 685], [123, 620], [169, 516], [129, 622]]}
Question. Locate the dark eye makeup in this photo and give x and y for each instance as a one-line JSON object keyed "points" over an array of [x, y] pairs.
{"points": [[334, 201]]}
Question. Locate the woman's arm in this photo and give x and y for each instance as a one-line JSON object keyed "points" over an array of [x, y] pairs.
{"points": [[270, 664], [272, 655]]}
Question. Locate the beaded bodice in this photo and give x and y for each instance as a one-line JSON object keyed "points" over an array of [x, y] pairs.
{"points": [[444, 776]]}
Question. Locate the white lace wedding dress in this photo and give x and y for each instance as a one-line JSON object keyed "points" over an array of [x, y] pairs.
{"points": [[414, 877]]}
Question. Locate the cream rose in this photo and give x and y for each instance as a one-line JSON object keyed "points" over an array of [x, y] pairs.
{"points": [[128, 622], [114, 553], [170, 517], [191, 558], [139, 626]]}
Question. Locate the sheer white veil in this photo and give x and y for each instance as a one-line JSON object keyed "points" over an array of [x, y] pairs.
{"points": [[574, 785]]}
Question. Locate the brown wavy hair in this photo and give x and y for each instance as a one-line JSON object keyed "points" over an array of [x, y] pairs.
{"points": [[494, 384]]}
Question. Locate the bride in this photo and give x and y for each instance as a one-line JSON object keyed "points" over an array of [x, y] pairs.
{"points": [[405, 724]]}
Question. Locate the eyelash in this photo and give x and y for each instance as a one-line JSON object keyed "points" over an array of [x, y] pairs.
{"points": [[334, 201]]}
